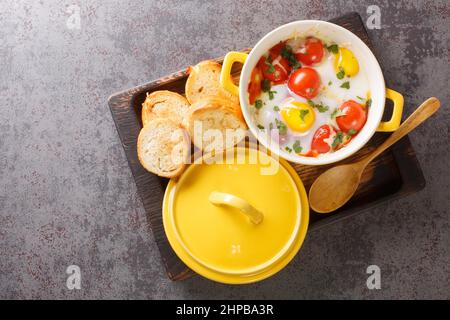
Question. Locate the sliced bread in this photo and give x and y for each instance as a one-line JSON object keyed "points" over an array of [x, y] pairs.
{"points": [[214, 125], [163, 147], [204, 81], [165, 104]]}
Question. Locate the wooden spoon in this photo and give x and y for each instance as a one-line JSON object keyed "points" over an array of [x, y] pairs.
{"points": [[333, 188]]}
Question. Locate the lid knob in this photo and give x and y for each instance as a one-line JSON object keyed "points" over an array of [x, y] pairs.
{"points": [[222, 198]]}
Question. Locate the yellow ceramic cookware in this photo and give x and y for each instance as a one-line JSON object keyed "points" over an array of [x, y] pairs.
{"points": [[239, 220]]}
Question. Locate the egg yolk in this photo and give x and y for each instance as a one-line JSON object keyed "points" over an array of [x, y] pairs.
{"points": [[299, 116], [346, 60]]}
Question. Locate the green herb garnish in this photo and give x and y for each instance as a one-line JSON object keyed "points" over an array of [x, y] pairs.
{"points": [[286, 52], [265, 85], [336, 113], [368, 103], [271, 94], [270, 67], [303, 113], [260, 127], [333, 48], [330, 83], [345, 85], [341, 74], [282, 129], [360, 98], [297, 147], [258, 104], [288, 149], [319, 106], [276, 108], [322, 108], [352, 132], [337, 139], [271, 126]]}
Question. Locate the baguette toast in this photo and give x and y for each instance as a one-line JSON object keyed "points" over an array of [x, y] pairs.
{"points": [[204, 81], [165, 104], [214, 125], [163, 147]]}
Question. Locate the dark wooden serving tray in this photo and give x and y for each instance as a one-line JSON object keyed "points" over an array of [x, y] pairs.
{"points": [[393, 174]]}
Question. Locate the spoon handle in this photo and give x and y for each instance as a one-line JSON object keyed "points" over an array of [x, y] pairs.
{"points": [[422, 113]]}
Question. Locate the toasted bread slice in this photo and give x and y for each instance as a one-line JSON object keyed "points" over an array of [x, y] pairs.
{"points": [[164, 104], [163, 147], [214, 125], [204, 81]]}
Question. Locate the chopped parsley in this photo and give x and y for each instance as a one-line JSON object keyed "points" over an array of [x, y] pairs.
{"points": [[330, 83], [258, 104], [337, 139], [271, 94], [282, 129], [352, 132], [333, 48], [345, 85], [341, 74], [288, 149], [319, 106], [368, 103], [260, 127], [286, 52], [303, 113], [270, 67], [297, 147], [265, 85], [360, 98], [276, 108]]}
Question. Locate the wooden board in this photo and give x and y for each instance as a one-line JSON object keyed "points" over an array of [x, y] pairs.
{"points": [[393, 174]]}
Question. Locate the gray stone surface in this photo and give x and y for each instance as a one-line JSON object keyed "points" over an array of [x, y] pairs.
{"points": [[66, 192]]}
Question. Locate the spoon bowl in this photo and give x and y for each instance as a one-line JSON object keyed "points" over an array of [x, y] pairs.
{"points": [[335, 187]]}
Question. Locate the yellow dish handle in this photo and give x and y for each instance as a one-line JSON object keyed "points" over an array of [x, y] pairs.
{"points": [[221, 198], [397, 111], [225, 76]]}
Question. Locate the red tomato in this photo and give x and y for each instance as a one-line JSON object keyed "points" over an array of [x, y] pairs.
{"points": [[275, 54], [276, 49], [311, 153], [312, 52], [254, 87], [318, 142], [353, 116], [278, 75], [277, 59], [305, 82]]}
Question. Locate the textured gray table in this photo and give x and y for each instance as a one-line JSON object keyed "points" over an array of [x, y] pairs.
{"points": [[67, 195]]}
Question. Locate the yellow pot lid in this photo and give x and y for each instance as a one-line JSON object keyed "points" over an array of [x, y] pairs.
{"points": [[238, 220]]}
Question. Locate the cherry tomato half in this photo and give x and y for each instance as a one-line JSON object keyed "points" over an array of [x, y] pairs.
{"points": [[318, 142], [254, 87], [274, 72], [305, 82], [276, 49], [353, 116], [275, 54], [279, 60], [311, 153], [311, 52]]}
